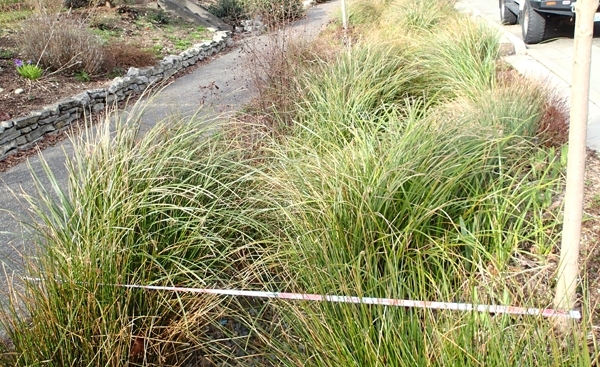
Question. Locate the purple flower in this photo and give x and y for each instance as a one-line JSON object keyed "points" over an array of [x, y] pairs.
{"points": [[18, 63], [28, 62]]}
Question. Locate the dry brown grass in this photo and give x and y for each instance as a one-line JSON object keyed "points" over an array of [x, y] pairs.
{"points": [[124, 55], [13, 5], [554, 124], [46, 6], [274, 69]]}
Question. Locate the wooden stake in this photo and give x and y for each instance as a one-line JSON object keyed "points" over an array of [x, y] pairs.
{"points": [[569, 252], [344, 20]]}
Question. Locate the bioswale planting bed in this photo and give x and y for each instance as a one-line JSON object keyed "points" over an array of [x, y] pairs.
{"points": [[412, 164]]}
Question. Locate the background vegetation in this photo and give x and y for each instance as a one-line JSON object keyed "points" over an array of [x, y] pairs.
{"points": [[91, 40], [271, 12]]}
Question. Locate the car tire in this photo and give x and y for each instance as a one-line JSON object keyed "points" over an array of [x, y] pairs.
{"points": [[533, 25], [507, 16]]}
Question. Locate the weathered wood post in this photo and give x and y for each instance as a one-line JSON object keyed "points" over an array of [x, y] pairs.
{"points": [[569, 252]]}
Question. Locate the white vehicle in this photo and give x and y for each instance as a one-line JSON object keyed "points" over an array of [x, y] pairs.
{"points": [[534, 14]]}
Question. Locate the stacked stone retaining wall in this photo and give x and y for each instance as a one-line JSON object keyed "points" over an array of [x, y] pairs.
{"points": [[24, 132]]}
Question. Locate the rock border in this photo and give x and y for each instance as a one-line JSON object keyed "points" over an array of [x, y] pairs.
{"points": [[22, 133]]}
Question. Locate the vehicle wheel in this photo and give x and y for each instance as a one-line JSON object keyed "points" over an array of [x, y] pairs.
{"points": [[533, 25], [507, 16]]}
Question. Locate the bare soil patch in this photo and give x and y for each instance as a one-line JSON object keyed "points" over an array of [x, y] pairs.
{"points": [[590, 235]]}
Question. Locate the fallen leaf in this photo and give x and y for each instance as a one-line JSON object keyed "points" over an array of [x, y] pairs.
{"points": [[137, 347]]}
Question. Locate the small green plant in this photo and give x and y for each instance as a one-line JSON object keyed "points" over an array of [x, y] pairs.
{"points": [[156, 49], [105, 34], [9, 16], [82, 76], [115, 72], [158, 17], [182, 44], [596, 200], [28, 70], [5, 54], [228, 10], [198, 33]]}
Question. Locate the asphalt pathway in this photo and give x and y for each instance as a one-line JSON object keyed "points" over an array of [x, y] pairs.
{"points": [[219, 88]]}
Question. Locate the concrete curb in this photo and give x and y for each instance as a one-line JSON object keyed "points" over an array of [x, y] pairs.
{"points": [[517, 43]]}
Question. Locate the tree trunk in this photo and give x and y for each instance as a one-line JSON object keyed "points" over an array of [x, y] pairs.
{"points": [[569, 253]]}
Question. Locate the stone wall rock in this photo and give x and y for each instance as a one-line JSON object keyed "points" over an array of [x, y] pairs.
{"points": [[23, 132]]}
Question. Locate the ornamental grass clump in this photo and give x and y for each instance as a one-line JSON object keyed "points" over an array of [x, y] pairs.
{"points": [[415, 174], [170, 207], [414, 206], [346, 93], [414, 185], [409, 168], [416, 17], [461, 59], [366, 12]]}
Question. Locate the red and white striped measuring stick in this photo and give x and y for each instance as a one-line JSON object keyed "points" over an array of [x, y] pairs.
{"points": [[511, 310], [574, 314]]}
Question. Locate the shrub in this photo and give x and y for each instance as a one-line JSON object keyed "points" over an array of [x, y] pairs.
{"points": [[230, 11], [46, 6], [76, 3], [271, 12], [158, 16], [61, 43], [121, 55], [276, 66], [85, 3], [274, 12], [169, 207]]}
